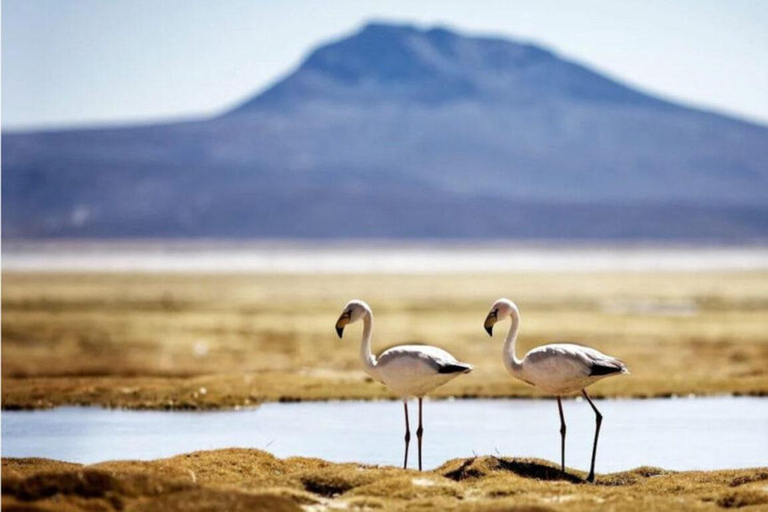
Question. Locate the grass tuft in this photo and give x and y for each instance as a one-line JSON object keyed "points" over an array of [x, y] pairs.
{"points": [[743, 498]]}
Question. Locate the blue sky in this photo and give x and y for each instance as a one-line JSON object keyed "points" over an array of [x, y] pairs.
{"points": [[81, 62]]}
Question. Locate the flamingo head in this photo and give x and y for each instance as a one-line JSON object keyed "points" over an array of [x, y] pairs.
{"points": [[354, 311], [500, 310]]}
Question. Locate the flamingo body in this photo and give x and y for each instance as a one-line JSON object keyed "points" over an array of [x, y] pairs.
{"points": [[565, 368], [415, 370]]}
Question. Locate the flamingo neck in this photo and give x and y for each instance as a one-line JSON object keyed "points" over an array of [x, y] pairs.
{"points": [[512, 363], [366, 356]]}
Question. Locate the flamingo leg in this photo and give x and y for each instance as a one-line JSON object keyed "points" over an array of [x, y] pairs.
{"points": [[407, 433], [420, 431], [598, 422], [562, 435]]}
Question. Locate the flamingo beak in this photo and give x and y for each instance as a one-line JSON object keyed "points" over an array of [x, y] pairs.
{"points": [[490, 320], [342, 322]]}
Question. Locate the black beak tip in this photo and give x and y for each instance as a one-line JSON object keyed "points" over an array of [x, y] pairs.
{"points": [[340, 331], [489, 330]]}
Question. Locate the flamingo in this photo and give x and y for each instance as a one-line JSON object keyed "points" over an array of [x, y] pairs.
{"points": [[558, 368], [407, 370]]}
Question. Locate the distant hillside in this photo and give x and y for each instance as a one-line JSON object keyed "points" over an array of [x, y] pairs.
{"points": [[400, 132]]}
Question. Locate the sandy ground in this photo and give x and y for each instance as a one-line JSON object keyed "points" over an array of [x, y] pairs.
{"points": [[202, 342], [239, 479]]}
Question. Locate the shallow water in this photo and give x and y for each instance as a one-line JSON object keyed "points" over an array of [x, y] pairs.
{"points": [[373, 257], [697, 433]]}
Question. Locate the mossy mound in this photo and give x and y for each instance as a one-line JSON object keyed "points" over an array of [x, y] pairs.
{"points": [[244, 479]]}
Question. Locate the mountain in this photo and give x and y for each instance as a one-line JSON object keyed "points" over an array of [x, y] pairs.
{"points": [[397, 132]]}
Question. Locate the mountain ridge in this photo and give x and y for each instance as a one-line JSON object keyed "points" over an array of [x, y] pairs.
{"points": [[406, 54]]}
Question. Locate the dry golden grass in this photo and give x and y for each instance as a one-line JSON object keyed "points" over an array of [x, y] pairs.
{"points": [[240, 479], [192, 341]]}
